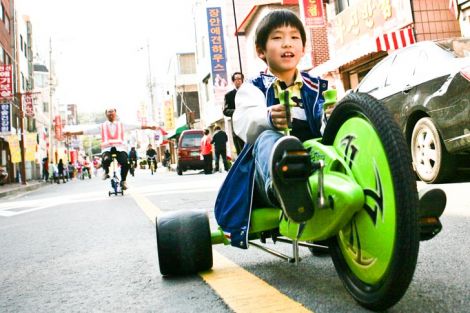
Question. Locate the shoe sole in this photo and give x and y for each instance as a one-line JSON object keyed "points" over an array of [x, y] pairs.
{"points": [[432, 202], [294, 195]]}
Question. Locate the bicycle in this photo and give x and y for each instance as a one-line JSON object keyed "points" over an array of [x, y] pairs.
{"points": [[132, 166], [115, 181]]}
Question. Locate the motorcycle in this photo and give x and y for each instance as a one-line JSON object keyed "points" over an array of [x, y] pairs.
{"points": [[367, 209]]}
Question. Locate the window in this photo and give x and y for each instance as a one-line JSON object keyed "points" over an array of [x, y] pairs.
{"points": [[376, 77], [341, 5], [2, 12], [402, 68], [21, 42], [2, 55]]}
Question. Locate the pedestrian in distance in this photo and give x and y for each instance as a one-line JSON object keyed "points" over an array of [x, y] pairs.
{"points": [[229, 107], [112, 138], [219, 140], [45, 169], [260, 119], [61, 172], [206, 151]]}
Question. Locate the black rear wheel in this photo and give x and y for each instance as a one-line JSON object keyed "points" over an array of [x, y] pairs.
{"points": [[183, 242], [375, 254]]}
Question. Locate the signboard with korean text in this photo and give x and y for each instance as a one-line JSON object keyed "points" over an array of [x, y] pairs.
{"points": [[28, 104], [5, 118], [58, 127], [217, 53], [6, 81], [313, 12]]}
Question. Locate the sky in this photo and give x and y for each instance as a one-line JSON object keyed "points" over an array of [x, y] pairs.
{"points": [[99, 47]]}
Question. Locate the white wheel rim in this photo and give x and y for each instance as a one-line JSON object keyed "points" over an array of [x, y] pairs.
{"points": [[426, 154]]}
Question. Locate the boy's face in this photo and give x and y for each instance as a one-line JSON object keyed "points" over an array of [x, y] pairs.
{"points": [[283, 52]]}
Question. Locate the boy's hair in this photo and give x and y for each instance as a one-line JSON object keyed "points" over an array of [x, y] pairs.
{"points": [[237, 73], [274, 20], [206, 131]]}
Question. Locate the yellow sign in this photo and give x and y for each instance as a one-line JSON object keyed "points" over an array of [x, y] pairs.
{"points": [[169, 115], [30, 146], [15, 152]]}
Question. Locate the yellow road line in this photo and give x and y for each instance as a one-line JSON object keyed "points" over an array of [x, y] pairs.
{"points": [[242, 291]]}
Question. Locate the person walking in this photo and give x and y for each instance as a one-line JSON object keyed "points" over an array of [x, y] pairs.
{"points": [[206, 151], [45, 169], [219, 140], [61, 172], [229, 108]]}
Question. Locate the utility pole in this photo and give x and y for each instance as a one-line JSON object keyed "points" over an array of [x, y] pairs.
{"points": [[51, 150], [18, 97], [150, 86]]}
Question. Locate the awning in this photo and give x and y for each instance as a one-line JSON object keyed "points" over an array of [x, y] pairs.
{"points": [[177, 132], [395, 40]]}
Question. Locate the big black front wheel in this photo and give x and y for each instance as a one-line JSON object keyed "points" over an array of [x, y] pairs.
{"points": [[375, 254]]}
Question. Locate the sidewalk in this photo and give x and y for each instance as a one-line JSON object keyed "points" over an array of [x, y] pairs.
{"points": [[16, 188]]}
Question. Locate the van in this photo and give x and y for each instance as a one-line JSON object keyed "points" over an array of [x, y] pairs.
{"points": [[189, 151]]}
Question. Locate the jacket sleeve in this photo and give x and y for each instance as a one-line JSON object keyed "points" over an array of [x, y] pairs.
{"points": [[228, 108], [250, 118]]}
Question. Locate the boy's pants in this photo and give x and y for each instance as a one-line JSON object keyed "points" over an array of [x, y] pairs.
{"points": [[262, 155]]}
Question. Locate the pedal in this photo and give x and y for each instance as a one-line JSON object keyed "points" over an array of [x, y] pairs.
{"points": [[294, 165]]}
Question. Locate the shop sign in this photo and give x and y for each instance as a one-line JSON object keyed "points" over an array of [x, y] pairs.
{"points": [[5, 118], [312, 12], [28, 104], [369, 18], [217, 52], [6, 81]]}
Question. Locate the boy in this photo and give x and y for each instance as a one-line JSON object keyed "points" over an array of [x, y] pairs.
{"points": [[259, 119]]}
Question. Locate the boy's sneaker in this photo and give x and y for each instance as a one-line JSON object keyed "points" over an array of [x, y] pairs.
{"points": [[105, 176], [293, 192], [124, 185]]}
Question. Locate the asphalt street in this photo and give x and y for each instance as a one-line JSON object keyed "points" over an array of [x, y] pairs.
{"points": [[72, 248]]}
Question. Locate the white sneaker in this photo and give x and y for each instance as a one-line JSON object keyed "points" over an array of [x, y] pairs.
{"points": [[124, 185], [105, 176]]}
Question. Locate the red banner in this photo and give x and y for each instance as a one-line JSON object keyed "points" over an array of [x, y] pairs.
{"points": [[58, 127], [313, 12], [28, 104], [6, 81]]}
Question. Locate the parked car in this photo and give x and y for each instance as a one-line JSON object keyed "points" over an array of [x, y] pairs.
{"points": [[189, 151], [426, 86]]}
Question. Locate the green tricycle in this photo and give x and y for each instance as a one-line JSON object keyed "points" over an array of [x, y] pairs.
{"points": [[367, 209]]}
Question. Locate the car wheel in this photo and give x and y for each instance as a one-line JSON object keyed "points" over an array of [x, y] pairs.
{"points": [[431, 160], [179, 171]]}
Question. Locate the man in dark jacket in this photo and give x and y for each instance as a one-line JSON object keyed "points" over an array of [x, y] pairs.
{"points": [[219, 140], [229, 107]]}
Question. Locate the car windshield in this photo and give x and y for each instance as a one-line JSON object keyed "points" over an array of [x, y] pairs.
{"points": [[459, 47], [191, 140]]}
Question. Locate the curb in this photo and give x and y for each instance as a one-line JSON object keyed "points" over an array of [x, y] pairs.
{"points": [[18, 188]]}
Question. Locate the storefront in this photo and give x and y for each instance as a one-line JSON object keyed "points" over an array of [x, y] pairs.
{"points": [[362, 34]]}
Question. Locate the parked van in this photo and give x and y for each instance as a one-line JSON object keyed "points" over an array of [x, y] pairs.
{"points": [[189, 151]]}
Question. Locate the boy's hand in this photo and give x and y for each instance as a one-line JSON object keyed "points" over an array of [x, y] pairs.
{"points": [[278, 116]]}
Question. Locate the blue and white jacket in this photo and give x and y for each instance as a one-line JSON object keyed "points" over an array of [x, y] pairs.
{"points": [[235, 198]]}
